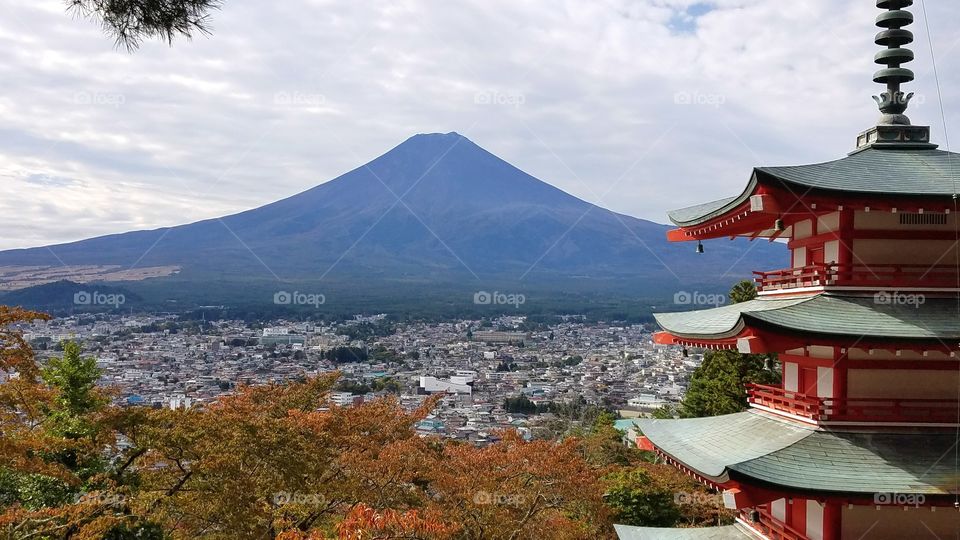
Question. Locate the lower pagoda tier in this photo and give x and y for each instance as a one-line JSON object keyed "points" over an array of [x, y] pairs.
{"points": [[789, 480], [846, 360]]}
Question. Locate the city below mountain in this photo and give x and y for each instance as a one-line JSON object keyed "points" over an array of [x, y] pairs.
{"points": [[437, 213]]}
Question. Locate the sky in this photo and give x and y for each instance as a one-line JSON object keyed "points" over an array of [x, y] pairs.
{"points": [[639, 106]]}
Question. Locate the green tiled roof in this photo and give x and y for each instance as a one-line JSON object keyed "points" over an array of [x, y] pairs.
{"points": [[705, 211], [721, 321], [729, 532], [862, 463], [756, 446], [887, 172], [710, 445], [879, 171], [825, 314]]}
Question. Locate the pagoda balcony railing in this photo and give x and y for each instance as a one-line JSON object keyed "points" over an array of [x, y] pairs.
{"points": [[859, 275], [863, 410], [762, 521]]}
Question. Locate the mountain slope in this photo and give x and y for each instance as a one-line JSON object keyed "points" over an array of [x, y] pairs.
{"points": [[437, 207]]}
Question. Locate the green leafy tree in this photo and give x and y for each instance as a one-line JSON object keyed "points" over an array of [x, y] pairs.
{"points": [[637, 500], [603, 443], [75, 379], [718, 385], [657, 495], [743, 292], [666, 412], [520, 404], [73, 414]]}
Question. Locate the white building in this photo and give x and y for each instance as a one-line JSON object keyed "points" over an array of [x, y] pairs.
{"points": [[456, 385]]}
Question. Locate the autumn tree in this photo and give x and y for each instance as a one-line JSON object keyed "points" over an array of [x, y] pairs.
{"points": [[366, 523], [519, 489], [55, 476], [271, 459], [275, 461]]}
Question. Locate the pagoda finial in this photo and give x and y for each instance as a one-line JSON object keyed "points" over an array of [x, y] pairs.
{"points": [[893, 103], [894, 129]]}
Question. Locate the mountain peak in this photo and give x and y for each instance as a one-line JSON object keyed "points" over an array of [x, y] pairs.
{"points": [[430, 139], [436, 207]]}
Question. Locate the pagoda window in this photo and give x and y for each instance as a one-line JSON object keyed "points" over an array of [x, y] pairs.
{"points": [[791, 376], [778, 509], [825, 382], [898, 521], [923, 219], [903, 251], [904, 221], [828, 222], [830, 252], [814, 523], [800, 257], [902, 383], [803, 229]]}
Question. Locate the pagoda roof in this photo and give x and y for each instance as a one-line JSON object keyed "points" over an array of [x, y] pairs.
{"points": [[728, 532], [754, 446], [823, 314], [884, 172]]}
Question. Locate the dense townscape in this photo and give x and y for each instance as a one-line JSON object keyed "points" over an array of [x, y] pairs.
{"points": [[493, 374]]}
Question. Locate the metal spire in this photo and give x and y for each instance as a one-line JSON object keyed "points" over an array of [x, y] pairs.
{"points": [[893, 130], [893, 103]]}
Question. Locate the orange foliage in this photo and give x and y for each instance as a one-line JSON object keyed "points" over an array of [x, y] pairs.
{"points": [[365, 523], [279, 461]]}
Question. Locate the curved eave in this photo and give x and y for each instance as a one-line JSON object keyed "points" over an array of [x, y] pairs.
{"points": [[820, 317], [753, 448], [702, 213], [719, 323]]}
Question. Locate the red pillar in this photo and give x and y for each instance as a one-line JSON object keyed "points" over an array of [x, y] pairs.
{"points": [[845, 251], [840, 373], [832, 521], [797, 514]]}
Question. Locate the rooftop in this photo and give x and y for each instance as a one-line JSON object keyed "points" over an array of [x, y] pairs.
{"points": [[757, 446], [824, 314], [885, 172]]}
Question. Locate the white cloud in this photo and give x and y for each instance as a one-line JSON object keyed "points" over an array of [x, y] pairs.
{"points": [[286, 95]]}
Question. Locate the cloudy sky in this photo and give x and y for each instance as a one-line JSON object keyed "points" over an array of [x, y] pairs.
{"points": [[636, 105]]}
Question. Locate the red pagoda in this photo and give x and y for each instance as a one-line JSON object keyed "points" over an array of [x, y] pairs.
{"points": [[860, 439]]}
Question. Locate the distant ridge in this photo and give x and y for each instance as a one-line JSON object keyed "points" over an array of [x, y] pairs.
{"points": [[436, 208]]}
